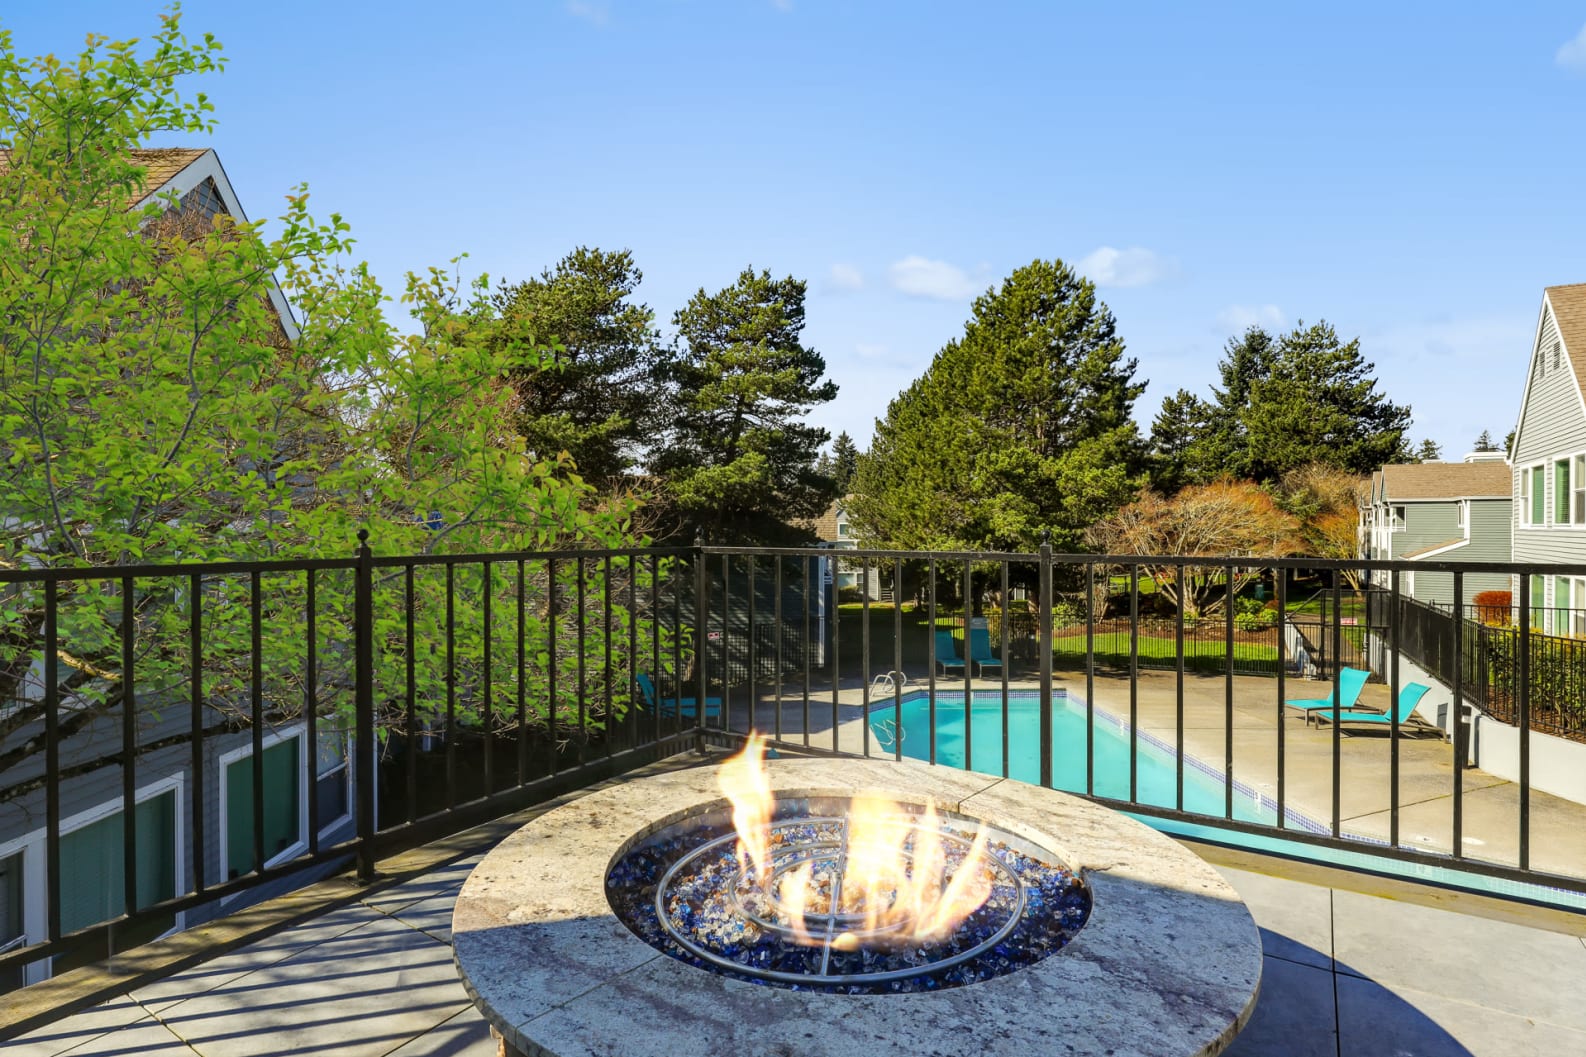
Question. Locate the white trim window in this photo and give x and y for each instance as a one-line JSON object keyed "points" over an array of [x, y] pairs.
{"points": [[1576, 617], [1578, 489], [1400, 519], [1533, 495], [1562, 491], [1462, 516], [93, 887], [285, 805], [333, 780]]}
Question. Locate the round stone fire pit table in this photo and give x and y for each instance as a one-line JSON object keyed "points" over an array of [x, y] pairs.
{"points": [[1168, 962]]}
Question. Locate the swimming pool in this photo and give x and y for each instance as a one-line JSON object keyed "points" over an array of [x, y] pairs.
{"points": [[1156, 764], [1156, 778]]}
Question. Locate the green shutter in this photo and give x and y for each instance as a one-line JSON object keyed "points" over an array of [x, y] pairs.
{"points": [[1538, 499], [1561, 492], [1538, 599], [281, 791]]}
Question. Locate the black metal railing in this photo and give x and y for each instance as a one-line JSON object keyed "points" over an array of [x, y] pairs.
{"points": [[431, 692], [143, 710], [1489, 659]]}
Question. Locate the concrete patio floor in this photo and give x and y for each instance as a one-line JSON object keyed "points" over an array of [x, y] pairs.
{"points": [[1348, 973]]}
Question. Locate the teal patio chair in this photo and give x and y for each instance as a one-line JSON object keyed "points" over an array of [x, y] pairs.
{"points": [[1409, 697], [947, 658], [1350, 682], [980, 652], [671, 706]]}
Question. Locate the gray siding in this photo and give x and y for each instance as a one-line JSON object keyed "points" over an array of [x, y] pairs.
{"points": [[1552, 426], [1489, 542]]}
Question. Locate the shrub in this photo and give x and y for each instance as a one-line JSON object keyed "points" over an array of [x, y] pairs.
{"points": [[1494, 607]]}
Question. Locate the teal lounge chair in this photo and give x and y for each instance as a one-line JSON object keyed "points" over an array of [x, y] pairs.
{"points": [[1409, 696], [670, 706], [947, 658], [1350, 682], [980, 651]]}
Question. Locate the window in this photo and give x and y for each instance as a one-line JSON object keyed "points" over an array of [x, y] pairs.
{"points": [[1533, 507], [1577, 616], [93, 867], [1398, 518], [331, 775], [1462, 513], [1578, 483], [1538, 601], [1561, 605], [1561, 492], [283, 805], [13, 931]]}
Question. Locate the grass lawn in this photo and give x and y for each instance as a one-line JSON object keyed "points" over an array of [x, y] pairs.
{"points": [[1200, 655]]}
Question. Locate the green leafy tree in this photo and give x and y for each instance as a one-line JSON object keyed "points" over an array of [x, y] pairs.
{"points": [[1484, 442], [1429, 451], [1020, 426], [1247, 361], [152, 410], [1284, 402], [596, 392], [1178, 453], [1320, 403], [844, 462], [740, 461]]}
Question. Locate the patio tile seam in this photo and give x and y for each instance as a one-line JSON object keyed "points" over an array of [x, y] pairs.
{"points": [[465, 1007], [396, 915]]}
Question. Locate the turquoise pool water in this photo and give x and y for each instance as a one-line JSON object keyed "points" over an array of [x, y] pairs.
{"points": [[1156, 777], [1156, 766]]}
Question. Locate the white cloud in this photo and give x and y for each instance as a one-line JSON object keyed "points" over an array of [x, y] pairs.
{"points": [[1107, 266], [1572, 56], [938, 280], [595, 12], [1236, 319], [845, 277]]}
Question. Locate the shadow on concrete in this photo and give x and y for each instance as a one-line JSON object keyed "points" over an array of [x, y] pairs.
{"points": [[1308, 1011]]}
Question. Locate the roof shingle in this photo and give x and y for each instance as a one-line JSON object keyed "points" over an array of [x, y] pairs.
{"points": [[1569, 311], [161, 164], [1447, 480]]}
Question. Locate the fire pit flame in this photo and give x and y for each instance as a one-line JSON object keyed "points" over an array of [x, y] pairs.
{"points": [[748, 787], [893, 886]]}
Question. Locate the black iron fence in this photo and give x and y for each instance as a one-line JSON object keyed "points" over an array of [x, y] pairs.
{"points": [[245, 722], [1493, 657], [175, 736]]}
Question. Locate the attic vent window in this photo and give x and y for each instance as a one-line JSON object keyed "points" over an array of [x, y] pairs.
{"points": [[1558, 355]]}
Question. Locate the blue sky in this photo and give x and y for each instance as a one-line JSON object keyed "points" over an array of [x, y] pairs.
{"points": [[1413, 175]]}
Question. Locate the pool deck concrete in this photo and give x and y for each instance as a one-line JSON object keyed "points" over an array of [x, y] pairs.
{"points": [[1353, 967]]}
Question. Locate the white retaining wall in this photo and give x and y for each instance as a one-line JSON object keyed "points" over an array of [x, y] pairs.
{"points": [[1558, 766]]}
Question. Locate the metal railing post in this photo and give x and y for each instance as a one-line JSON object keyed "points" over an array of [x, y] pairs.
{"points": [[1046, 658], [701, 644], [363, 703]]}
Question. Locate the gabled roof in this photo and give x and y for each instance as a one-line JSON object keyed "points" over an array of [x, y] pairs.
{"points": [[1447, 480], [1569, 313], [162, 164], [180, 170]]}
